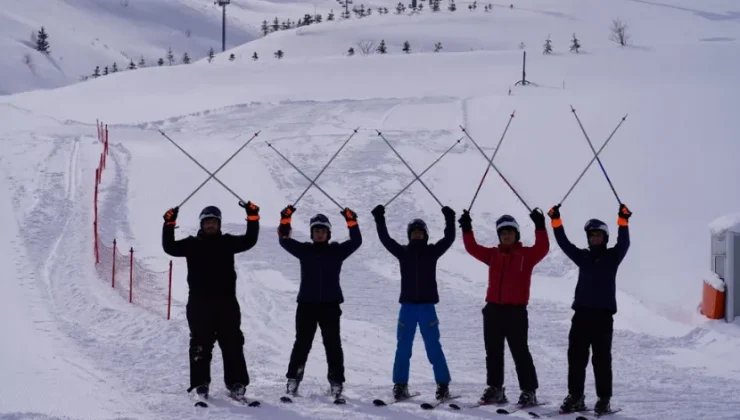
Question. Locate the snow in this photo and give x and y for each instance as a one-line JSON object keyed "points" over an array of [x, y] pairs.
{"points": [[712, 279], [672, 162], [726, 223]]}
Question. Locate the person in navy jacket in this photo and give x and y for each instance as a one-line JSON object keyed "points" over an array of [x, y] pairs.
{"points": [[320, 294], [594, 304], [419, 295]]}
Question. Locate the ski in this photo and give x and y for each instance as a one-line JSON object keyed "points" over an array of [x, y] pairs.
{"points": [[518, 407], [286, 399], [201, 404], [428, 406], [200, 401], [474, 405], [381, 403], [244, 400], [616, 410], [554, 413]]}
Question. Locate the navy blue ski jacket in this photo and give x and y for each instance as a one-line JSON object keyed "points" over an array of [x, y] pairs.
{"points": [[418, 263], [597, 274], [321, 265]]}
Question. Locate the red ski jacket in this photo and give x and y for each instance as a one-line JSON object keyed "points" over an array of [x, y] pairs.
{"points": [[509, 267]]}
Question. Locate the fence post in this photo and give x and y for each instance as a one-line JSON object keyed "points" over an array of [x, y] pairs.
{"points": [[113, 277], [131, 276], [169, 294]]}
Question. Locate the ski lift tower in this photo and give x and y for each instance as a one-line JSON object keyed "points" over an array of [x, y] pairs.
{"points": [[223, 4]]}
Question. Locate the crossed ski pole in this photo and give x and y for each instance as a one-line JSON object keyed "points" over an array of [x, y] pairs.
{"points": [[242, 203], [423, 172], [596, 156], [305, 176], [410, 169], [324, 168], [491, 164], [488, 167]]}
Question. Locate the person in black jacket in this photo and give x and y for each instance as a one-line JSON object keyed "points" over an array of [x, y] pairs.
{"points": [[594, 304], [212, 310], [418, 263], [319, 295]]}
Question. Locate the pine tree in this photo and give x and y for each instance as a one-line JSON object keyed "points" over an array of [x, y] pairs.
{"points": [[160, 62], [275, 25], [330, 16], [279, 54], [285, 25], [438, 47], [265, 28], [382, 49], [548, 46], [131, 65], [452, 7], [400, 8], [351, 52], [317, 19], [96, 72], [114, 68], [307, 19], [575, 44], [42, 43], [255, 56], [142, 63], [170, 56], [185, 59], [406, 47], [105, 71], [385, 10], [435, 5], [211, 54]]}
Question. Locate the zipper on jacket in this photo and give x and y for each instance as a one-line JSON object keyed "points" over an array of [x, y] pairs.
{"points": [[501, 283], [417, 276]]}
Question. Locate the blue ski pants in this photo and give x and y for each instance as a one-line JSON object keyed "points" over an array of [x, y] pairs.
{"points": [[425, 316]]}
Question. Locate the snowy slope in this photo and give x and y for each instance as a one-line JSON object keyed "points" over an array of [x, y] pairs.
{"points": [[671, 162]]}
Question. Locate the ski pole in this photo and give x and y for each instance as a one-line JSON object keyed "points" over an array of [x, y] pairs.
{"points": [[490, 162], [202, 167], [324, 168], [594, 151], [593, 159], [488, 167], [422, 174], [219, 168], [407, 165], [304, 175]]}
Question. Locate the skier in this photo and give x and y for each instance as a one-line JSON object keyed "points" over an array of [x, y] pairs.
{"points": [[418, 266], [212, 310], [505, 316], [319, 295], [594, 304]]}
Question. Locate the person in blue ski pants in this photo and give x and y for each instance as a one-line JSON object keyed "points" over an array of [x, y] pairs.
{"points": [[418, 261]]}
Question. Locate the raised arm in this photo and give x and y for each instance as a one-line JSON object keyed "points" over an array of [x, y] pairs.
{"points": [[623, 233], [449, 236], [295, 248], [351, 245], [389, 243], [481, 253], [562, 239], [541, 241], [169, 244], [241, 243]]}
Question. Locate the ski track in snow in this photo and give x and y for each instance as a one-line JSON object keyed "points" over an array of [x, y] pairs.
{"points": [[145, 356]]}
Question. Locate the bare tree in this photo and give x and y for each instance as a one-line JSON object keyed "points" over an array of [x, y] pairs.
{"points": [[366, 47], [619, 32]]}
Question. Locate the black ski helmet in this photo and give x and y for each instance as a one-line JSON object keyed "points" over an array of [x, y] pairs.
{"points": [[596, 224], [508, 221], [320, 220], [417, 224], [210, 212]]}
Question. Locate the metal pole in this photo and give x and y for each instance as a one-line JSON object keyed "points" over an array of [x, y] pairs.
{"points": [[488, 167], [223, 29]]}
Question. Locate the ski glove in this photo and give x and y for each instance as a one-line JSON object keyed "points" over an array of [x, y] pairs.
{"points": [[253, 211], [554, 214], [624, 215], [538, 218], [379, 212], [466, 223], [286, 213], [170, 218], [448, 212], [350, 216]]}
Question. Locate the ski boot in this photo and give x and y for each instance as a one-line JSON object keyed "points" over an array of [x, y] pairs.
{"points": [[443, 392], [237, 391], [401, 391], [602, 406], [202, 391], [527, 399], [335, 389], [571, 404], [291, 388], [494, 395]]}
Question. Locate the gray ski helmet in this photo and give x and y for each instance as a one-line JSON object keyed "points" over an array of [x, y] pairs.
{"points": [[320, 220], [596, 224], [508, 221], [210, 212], [417, 224]]}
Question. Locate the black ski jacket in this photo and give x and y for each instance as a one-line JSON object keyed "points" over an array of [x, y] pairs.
{"points": [[597, 274], [321, 265], [418, 261], [210, 259]]}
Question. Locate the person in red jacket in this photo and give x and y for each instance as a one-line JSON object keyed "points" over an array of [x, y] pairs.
{"points": [[505, 317]]}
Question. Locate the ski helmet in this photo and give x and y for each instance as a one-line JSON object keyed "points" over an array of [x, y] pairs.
{"points": [[596, 224], [320, 220], [417, 224], [507, 221], [210, 212]]}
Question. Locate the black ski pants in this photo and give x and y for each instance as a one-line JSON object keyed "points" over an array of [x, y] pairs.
{"points": [[212, 320], [510, 323], [590, 329], [308, 317]]}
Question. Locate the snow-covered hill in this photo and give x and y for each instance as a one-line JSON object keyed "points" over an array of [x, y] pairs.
{"points": [[672, 161]]}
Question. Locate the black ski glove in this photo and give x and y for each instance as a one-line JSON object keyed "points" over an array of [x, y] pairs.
{"points": [[624, 215], [538, 218], [449, 213], [379, 212], [554, 212], [253, 211], [287, 213], [349, 216], [170, 217], [285, 217], [466, 223]]}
